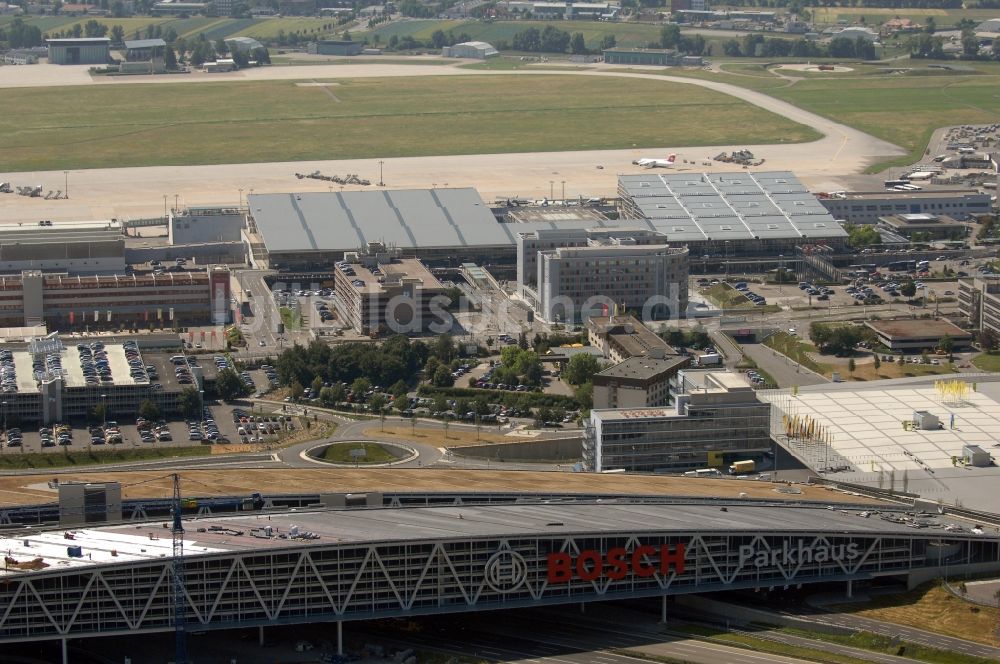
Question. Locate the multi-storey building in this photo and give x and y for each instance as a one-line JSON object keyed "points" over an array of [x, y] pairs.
{"points": [[638, 382], [709, 427], [603, 269], [865, 207], [61, 301], [376, 292], [623, 336], [979, 301]]}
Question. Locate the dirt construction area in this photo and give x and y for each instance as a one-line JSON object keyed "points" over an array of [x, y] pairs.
{"points": [[32, 489], [139, 192]]}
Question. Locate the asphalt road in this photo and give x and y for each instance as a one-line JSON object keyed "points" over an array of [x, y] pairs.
{"points": [[786, 372], [563, 635]]}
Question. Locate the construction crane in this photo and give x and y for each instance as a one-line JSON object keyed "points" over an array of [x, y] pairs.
{"points": [[180, 635]]}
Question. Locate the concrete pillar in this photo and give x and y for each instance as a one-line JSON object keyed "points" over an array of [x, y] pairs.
{"points": [[850, 589], [663, 610], [260, 635], [340, 637], [65, 651]]}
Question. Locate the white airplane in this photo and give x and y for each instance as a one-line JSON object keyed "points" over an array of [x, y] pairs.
{"points": [[657, 163]]}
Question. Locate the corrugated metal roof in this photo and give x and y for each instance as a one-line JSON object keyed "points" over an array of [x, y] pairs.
{"points": [[144, 43]]}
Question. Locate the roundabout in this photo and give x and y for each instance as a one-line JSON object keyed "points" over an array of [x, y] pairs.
{"points": [[355, 453]]}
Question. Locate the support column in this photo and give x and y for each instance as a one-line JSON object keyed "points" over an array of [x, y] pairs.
{"points": [[850, 589], [663, 610], [340, 637], [65, 652], [260, 635], [583, 607]]}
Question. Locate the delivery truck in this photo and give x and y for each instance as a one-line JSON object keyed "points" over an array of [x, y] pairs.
{"points": [[741, 467]]}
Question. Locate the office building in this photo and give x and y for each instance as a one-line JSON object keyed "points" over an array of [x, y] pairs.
{"points": [[917, 335], [605, 269], [979, 302], [378, 293], [638, 382], [620, 337], [865, 207], [335, 47], [709, 427], [931, 226]]}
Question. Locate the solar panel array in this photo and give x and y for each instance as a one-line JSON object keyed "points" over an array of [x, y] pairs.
{"points": [[691, 207]]}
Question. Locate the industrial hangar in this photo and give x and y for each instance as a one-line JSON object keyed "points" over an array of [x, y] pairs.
{"points": [[736, 214], [259, 569]]}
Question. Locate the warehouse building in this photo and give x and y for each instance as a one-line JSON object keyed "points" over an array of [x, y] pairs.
{"points": [[708, 428], [206, 224], [865, 207], [638, 382], [475, 50], [194, 297], [335, 47], [650, 56], [79, 51], [918, 335], [378, 293], [604, 269], [77, 247], [243, 45], [731, 214]]}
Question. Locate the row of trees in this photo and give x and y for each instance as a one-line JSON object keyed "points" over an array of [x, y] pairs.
{"points": [[758, 46], [839, 340], [19, 34]]}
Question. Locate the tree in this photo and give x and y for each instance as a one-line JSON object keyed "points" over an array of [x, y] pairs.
{"points": [[170, 61], [444, 348], [401, 403], [442, 377], [229, 386], [117, 35], [118, 9], [221, 48], [989, 340], [360, 387], [317, 384], [295, 390], [438, 39], [908, 288], [670, 35], [861, 235], [947, 345], [851, 366], [581, 368], [930, 25], [149, 410], [608, 41], [577, 45], [585, 395], [878, 362], [377, 403], [190, 403]]}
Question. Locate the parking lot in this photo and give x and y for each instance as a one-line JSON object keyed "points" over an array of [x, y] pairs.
{"points": [[218, 422]]}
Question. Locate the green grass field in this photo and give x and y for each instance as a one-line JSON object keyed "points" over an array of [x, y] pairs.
{"points": [[19, 461], [213, 28], [902, 110], [374, 453], [139, 125]]}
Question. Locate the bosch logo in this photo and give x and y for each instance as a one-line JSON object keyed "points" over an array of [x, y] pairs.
{"points": [[506, 571]]}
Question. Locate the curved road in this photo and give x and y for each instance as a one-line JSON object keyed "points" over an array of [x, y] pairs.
{"points": [[138, 192]]}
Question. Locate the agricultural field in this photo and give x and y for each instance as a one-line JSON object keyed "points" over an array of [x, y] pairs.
{"points": [[148, 124], [626, 34], [873, 16]]}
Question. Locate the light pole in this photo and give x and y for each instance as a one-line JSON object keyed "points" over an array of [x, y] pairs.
{"points": [[564, 191], [241, 197], [66, 183], [4, 404], [552, 185], [381, 183], [104, 410]]}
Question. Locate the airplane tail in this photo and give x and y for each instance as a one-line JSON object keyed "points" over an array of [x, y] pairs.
{"points": [[671, 158]]}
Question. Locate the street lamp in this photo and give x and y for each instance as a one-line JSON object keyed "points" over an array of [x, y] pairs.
{"points": [[104, 410], [381, 183], [241, 197], [552, 185], [66, 183], [4, 404]]}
